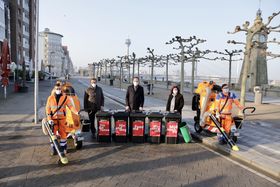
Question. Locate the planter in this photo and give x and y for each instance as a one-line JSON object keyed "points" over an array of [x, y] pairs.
{"points": [[23, 89]]}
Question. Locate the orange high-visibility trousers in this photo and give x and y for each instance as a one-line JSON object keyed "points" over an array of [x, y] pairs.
{"points": [[227, 122], [60, 127]]}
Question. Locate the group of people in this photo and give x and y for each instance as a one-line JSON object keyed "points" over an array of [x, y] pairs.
{"points": [[134, 100], [94, 101]]}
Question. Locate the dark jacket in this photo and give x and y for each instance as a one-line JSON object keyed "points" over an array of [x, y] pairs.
{"points": [[94, 98], [179, 102], [134, 99]]}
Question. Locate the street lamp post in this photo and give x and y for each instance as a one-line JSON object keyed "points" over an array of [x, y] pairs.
{"points": [[133, 65], [121, 68], [151, 51], [128, 43]]}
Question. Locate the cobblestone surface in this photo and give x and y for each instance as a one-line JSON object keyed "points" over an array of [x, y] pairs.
{"points": [[25, 161]]}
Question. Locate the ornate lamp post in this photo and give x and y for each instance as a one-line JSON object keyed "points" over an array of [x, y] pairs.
{"points": [[259, 29]]}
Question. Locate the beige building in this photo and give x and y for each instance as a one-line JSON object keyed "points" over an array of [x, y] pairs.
{"points": [[22, 18]]}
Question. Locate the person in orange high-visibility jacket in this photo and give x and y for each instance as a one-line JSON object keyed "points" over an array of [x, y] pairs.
{"points": [[58, 117], [224, 107], [72, 119]]}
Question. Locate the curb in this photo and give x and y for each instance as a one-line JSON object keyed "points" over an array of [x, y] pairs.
{"points": [[245, 156]]}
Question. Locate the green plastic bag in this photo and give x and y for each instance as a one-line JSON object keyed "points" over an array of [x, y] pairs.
{"points": [[185, 131]]}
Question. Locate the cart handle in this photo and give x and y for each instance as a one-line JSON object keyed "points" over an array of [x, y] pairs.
{"points": [[249, 108]]}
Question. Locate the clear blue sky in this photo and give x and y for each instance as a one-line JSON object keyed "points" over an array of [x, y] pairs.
{"points": [[97, 29]]}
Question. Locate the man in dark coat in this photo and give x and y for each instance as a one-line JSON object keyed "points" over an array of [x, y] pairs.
{"points": [[93, 102], [134, 96]]}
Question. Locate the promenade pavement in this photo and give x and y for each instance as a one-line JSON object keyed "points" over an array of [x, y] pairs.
{"points": [[25, 160], [259, 142]]}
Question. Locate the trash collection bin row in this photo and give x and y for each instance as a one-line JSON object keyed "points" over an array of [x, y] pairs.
{"points": [[131, 127]]}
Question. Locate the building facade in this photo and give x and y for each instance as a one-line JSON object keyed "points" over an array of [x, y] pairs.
{"points": [[51, 54], [22, 15], [2, 21]]}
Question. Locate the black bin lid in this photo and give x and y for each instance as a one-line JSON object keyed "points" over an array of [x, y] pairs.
{"points": [[173, 115], [155, 115], [121, 114], [137, 114], [103, 114]]}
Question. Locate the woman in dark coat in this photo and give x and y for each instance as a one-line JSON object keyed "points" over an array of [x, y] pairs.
{"points": [[175, 102]]}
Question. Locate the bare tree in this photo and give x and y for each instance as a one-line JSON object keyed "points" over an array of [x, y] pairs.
{"points": [[229, 55]]}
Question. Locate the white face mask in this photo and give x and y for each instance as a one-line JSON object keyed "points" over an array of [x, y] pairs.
{"points": [[93, 85], [175, 92], [57, 92], [135, 83], [226, 90]]}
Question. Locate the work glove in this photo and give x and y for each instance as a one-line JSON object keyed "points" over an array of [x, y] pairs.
{"points": [[51, 123], [217, 115]]}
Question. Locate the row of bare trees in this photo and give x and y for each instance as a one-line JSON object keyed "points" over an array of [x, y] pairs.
{"points": [[188, 52]]}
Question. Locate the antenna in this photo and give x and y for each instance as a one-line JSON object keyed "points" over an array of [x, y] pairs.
{"points": [[260, 1]]}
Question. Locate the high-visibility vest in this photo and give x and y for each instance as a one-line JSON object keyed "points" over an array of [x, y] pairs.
{"points": [[71, 118], [222, 102], [52, 106]]}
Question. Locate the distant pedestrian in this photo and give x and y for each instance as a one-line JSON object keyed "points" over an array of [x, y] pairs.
{"points": [[175, 102], [134, 96], [93, 102]]}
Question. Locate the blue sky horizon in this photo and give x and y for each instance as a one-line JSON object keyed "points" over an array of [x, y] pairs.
{"points": [[95, 29]]}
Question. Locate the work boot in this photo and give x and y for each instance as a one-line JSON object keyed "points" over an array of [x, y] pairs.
{"points": [[53, 150]]}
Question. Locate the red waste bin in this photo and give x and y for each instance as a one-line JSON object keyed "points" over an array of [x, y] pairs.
{"points": [[172, 121], [121, 126], [103, 126], [155, 124], [137, 127]]}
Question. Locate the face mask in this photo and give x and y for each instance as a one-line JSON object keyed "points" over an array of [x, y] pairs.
{"points": [[57, 92], [93, 85], [226, 90], [135, 83], [175, 92]]}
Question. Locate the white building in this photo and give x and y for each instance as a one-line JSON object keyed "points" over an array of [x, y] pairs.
{"points": [[51, 54], [2, 21]]}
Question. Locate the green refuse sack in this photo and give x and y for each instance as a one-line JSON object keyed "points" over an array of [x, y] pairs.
{"points": [[185, 131]]}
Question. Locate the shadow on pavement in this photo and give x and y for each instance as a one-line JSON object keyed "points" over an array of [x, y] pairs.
{"points": [[100, 172]]}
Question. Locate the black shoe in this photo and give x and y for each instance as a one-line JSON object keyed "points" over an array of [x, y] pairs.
{"points": [[93, 136], [53, 152]]}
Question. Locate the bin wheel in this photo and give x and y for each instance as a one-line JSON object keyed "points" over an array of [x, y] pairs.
{"points": [[197, 127], [234, 138], [79, 145]]}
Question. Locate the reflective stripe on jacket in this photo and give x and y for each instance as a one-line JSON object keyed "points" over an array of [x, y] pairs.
{"points": [[52, 106]]}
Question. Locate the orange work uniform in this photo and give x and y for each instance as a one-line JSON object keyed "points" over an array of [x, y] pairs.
{"points": [[224, 108], [59, 117]]}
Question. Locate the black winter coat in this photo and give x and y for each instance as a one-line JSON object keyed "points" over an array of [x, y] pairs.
{"points": [[93, 98], [134, 99], [179, 102]]}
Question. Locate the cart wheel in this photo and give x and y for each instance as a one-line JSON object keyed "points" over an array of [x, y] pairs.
{"points": [[234, 138], [79, 145], [197, 127]]}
